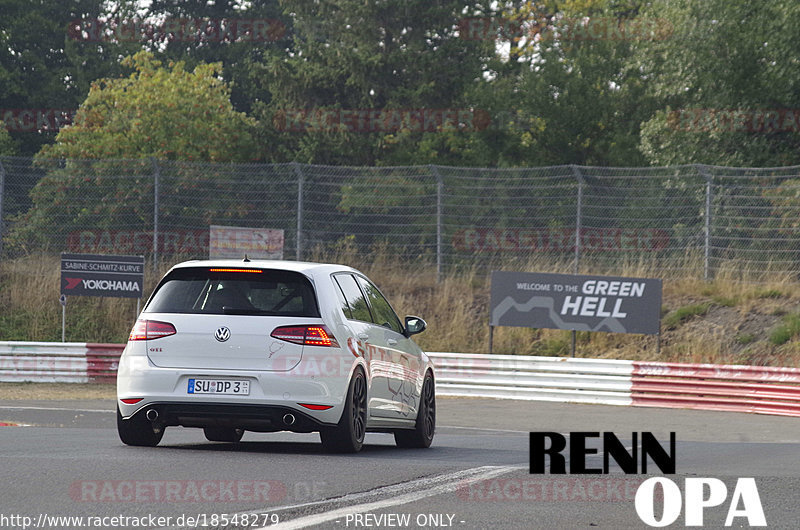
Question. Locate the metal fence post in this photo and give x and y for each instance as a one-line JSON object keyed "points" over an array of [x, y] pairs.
{"points": [[2, 194], [299, 239], [439, 191], [703, 170], [578, 213], [156, 182]]}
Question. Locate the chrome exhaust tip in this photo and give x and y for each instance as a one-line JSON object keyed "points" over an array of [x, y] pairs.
{"points": [[288, 419], [151, 415]]}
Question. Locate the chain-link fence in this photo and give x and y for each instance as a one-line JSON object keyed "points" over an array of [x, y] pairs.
{"points": [[688, 220]]}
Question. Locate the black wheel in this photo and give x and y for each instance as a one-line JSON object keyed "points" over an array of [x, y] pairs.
{"points": [[348, 435], [223, 434], [422, 434], [138, 431]]}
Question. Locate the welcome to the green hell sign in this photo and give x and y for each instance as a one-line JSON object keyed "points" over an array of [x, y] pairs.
{"points": [[574, 302]]}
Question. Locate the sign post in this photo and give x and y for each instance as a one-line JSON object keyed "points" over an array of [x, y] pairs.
{"points": [[63, 300], [576, 302]]}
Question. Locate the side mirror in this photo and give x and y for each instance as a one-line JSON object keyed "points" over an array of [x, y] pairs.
{"points": [[414, 325]]}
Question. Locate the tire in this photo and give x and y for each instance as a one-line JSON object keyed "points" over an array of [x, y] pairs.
{"points": [[422, 434], [348, 435], [137, 431], [223, 434]]}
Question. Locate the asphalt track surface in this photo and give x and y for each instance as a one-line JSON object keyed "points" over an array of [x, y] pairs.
{"points": [[65, 460]]}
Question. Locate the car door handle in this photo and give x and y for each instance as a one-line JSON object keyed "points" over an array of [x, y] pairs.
{"points": [[363, 336], [391, 342]]}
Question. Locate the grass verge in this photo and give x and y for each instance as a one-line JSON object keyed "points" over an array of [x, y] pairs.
{"points": [[722, 321]]}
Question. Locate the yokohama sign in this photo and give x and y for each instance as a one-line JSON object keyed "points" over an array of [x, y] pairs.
{"points": [[479, 240], [102, 275]]}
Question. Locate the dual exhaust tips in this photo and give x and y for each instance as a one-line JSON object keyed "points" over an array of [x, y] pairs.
{"points": [[152, 415]]}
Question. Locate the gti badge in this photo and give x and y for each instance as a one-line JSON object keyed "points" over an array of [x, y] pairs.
{"points": [[222, 334]]}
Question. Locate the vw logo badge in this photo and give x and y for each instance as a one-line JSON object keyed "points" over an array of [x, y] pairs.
{"points": [[222, 334]]}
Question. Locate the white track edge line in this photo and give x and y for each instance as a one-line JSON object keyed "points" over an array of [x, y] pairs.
{"points": [[451, 485], [5, 407]]}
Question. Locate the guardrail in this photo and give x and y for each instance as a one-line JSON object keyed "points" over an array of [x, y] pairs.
{"points": [[758, 389], [754, 389], [598, 381], [58, 362]]}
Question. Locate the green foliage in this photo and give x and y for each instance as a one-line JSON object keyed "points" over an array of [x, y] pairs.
{"points": [[81, 194], [357, 55], [682, 314], [788, 330], [545, 87], [726, 301], [586, 100], [785, 200], [166, 113], [745, 338], [723, 55], [44, 64], [382, 194], [769, 293], [269, 34], [7, 146]]}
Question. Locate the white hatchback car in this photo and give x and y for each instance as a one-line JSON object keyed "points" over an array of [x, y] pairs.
{"points": [[234, 346]]}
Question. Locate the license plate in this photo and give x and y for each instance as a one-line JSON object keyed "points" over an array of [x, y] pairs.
{"points": [[219, 386]]}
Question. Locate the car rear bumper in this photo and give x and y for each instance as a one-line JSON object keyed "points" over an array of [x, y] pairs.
{"points": [[271, 394], [251, 417]]}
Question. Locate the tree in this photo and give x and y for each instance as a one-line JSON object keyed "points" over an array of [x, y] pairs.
{"points": [[237, 34], [584, 101], [558, 89], [45, 61], [492, 96], [728, 63], [159, 112], [360, 56]]}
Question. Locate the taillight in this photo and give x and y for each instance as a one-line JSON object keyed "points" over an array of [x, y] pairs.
{"points": [[305, 335], [315, 407], [151, 330]]}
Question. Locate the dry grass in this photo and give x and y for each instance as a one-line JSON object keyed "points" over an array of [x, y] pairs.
{"points": [[29, 291], [456, 309], [58, 391]]}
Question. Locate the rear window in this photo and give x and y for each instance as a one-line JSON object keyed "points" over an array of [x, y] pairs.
{"points": [[263, 292]]}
